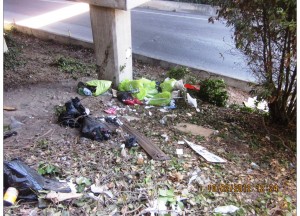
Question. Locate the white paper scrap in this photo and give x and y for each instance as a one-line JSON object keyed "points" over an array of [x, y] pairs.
{"points": [[205, 153], [226, 209], [179, 151]]}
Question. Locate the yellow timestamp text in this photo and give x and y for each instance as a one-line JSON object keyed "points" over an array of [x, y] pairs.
{"points": [[243, 188]]}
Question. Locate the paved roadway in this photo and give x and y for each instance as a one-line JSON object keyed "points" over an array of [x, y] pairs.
{"points": [[181, 38]]}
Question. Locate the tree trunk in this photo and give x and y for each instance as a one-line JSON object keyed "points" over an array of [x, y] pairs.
{"points": [[278, 115]]}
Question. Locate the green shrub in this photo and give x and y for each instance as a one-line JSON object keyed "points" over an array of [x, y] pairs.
{"points": [[213, 91], [177, 72]]}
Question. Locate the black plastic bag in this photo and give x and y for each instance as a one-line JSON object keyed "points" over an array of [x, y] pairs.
{"points": [[27, 181], [72, 117], [95, 130]]}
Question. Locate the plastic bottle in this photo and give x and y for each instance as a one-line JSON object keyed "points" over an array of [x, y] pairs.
{"points": [[10, 196]]}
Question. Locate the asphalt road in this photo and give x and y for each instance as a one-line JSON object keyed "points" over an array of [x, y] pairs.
{"points": [[181, 38]]}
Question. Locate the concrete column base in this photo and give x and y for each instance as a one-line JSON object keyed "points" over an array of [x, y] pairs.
{"points": [[112, 41]]}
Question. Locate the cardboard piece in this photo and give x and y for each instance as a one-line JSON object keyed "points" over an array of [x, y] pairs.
{"points": [[210, 157]]}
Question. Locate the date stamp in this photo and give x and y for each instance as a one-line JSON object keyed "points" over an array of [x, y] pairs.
{"points": [[243, 188]]}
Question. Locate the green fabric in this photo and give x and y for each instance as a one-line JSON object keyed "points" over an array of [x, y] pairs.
{"points": [[161, 99], [168, 85], [145, 87], [101, 86]]}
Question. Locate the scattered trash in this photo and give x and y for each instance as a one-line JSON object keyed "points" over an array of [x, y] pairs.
{"points": [[15, 124], [72, 116], [167, 202], [131, 118], [145, 143], [142, 88], [192, 87], [57, 197], [131, 142], [192, 101], [27, 181], [99, 86], [123, 151], [163, 120], [10, 196], [249, 171], [171, 105], [226, 209], [160, 99], [179, 85], [179, 151], [163, 110], [83, 89], [194, 129], [254, 165], [134, 101], [140, 160], [114, 120], [165, 136], [176, 94], [112, 111], [254, 103], [168, 85], [193, 177], [149, 107], [128, 99], [95, 130], [205, 153], [180, 142], [216, 132], [150, 113], [8, 134], [8, 108]]}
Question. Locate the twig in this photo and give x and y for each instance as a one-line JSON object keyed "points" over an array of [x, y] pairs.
{"points": [[134, 210]]}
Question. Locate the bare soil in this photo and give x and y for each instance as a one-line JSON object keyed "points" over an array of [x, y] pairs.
{"points": [[35, 87]]}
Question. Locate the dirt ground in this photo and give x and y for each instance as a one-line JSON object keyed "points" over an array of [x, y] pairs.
{"points": [[35, 86]]}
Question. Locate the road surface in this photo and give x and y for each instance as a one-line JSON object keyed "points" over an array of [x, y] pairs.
{"points": [[181, 38]]}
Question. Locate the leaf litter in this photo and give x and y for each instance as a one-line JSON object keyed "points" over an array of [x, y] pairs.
{"points": [[112, 184]]}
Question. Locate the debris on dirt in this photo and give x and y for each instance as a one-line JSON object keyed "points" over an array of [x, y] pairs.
{"points": [[57, 197], [27, 181], [93, 87], [73, 113], [9, 108], [226, 209], [15, 124], [112, 111], [205, 153], [8, 134], [145, 143], [10, 196], [131, 142], [192, 101], [95, 130]]}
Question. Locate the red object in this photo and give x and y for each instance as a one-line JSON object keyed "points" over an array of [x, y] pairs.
{"points": [[132, 101], [112, 111], [192, 87]]}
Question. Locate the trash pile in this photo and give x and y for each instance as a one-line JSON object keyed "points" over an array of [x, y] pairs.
{"points": [[76, 115], [143, 91]]}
